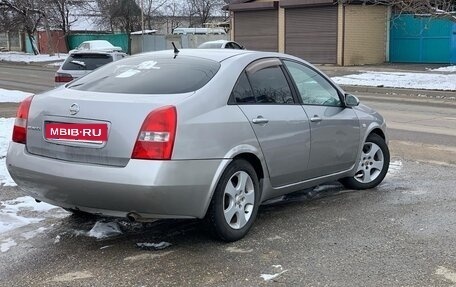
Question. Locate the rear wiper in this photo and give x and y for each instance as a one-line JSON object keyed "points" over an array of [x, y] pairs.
{"points": [[82, 64]]}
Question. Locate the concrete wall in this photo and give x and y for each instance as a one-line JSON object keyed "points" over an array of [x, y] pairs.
{"points": [[11, 41], [365, 34], [163, 42]]}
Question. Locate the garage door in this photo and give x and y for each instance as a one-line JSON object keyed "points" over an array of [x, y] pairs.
{"points": [[311, 33], [256, 30]]}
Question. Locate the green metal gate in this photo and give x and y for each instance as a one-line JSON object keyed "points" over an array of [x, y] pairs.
{"points": [[120, 40], [422, 40]]}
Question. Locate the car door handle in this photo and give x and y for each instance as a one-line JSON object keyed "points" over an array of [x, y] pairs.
{"points": [[315, 119], [260, 120]]}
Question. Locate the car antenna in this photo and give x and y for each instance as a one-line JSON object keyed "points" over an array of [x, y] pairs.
{"points": [[176, 51]]}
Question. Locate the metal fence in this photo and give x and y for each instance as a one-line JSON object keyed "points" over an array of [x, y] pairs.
{"points": [[11, 41]]}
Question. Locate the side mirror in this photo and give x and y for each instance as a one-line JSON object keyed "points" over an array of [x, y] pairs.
{"points": [[351, 100]]}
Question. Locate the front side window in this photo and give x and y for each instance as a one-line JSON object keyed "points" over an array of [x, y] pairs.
{"points": [[313, 88], [270, 86]]}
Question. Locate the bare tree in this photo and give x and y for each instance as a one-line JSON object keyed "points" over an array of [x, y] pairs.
{"points": [[29, 13], [151, 8], [203, 10], [432, 8]]}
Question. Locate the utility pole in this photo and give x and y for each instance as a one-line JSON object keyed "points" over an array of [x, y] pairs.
{"points": [[142, 25]]}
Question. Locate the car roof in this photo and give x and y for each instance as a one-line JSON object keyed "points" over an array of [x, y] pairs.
{"points": [[103, 52], [217, 41], [217, 55], [97, 41]]}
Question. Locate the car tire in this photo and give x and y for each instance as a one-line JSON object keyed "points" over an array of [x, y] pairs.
{"points": [[235, 202], [372, 166]]}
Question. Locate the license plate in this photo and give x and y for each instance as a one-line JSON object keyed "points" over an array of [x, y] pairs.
{"points": [[77, 132]]}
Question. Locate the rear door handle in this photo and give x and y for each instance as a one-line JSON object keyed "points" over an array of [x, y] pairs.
{"points": [[315, 119], [260, 120]]}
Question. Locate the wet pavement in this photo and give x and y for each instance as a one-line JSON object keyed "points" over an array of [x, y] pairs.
{"points": [[399, 234]]}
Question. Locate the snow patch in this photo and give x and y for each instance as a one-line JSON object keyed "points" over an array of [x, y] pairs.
{"points": [[57, 239], [146, 256], [55, 64], [69, 277], [7, 244], [154, 246], [451, 69], [395, 167], [30, 58], [446, 273], [31, 234], [277, 237], [268, 277], [12, 96], [102, 230], [424, 81], [233, 249], [10, 209], [6, 131]]}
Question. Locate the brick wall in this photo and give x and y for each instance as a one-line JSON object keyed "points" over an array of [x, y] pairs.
{"points": [[365, 34]]}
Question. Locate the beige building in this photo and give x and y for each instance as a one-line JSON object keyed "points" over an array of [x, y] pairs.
{"points": [[319, 31]]}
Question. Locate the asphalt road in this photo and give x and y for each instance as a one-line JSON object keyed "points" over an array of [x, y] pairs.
{"points": [[399, 234], [34, 78]]}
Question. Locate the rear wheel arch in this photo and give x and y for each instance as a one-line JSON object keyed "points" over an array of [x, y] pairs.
{"points": [[254, 161]]}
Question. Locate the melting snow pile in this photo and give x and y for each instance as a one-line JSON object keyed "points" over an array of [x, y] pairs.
{"points": [[422, 81], [10, 210], [103, 230], [30, 58], [450, 69]]}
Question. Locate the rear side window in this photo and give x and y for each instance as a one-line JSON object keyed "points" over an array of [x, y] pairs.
{"points": [[270, 86], [242, 92], [146, 74], [86, 61]]}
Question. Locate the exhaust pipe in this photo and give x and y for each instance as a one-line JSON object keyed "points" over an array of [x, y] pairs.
{"points": [[133, 216]]}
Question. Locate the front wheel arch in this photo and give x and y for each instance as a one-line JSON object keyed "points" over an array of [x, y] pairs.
{"points": [[353, 182]]}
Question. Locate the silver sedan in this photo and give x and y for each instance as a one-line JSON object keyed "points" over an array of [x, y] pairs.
{"points": [[207, 134]]}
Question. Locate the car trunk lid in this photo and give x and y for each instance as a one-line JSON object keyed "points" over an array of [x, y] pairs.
{"points": [[122, 114]]}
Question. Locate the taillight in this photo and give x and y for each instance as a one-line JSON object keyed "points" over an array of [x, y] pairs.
{"points": [[20, 124], [63, 78], [156, 137]]}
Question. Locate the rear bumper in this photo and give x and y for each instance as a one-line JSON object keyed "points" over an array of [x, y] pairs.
{"points": [[152, 189]]}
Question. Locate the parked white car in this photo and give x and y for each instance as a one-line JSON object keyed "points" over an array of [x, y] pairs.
{"points": [[80, 63], [97, 45], [220, 44]]}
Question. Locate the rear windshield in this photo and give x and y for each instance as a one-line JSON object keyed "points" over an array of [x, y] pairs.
{"points": [[149, 74], [86, 61]]}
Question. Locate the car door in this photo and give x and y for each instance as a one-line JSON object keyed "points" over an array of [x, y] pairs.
{"points": [[335, 131], [264, 95]]}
